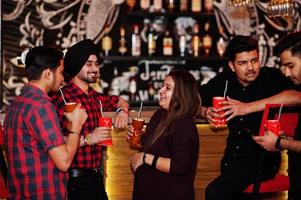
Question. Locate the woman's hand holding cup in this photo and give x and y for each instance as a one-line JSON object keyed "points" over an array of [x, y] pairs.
{"points": [[130, 132]]}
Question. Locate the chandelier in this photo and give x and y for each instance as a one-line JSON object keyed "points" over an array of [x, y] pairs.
{"points": [[275, 8], [237, 3]]}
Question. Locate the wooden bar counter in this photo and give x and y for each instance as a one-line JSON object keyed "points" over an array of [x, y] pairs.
{"points": [[119, 176]]}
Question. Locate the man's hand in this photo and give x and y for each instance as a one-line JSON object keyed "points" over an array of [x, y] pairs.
{"points": [[100, 134], [77, 118], [212, 115], [234, 108], [121, 119], [267, 141]]}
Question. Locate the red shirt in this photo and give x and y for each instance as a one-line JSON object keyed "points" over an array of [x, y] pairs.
{"points": [[31, 129], [87, 157]]}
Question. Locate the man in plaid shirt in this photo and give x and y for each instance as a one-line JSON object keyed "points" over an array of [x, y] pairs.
{"points": [[37, 153], [82, 66]]}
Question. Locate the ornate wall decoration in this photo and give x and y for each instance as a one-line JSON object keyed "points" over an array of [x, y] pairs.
{"points": [[27, 23]]}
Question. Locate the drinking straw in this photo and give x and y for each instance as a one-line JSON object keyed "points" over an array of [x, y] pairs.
{"points": [[280, 110], [101, 111], [226, 88], [140, 109], [63, 96]]}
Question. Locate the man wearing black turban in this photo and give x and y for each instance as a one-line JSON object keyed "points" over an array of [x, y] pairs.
{"points": [[81, 64]]}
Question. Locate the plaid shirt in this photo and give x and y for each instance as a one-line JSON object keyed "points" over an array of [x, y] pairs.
{"points": [[87, 157], [31, 129]]}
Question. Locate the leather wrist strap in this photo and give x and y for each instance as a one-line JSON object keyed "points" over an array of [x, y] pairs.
{"points": [[154, 163], [144, 157], [277, 143]]}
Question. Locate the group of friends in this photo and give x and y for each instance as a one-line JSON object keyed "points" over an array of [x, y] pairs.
{"points": [[47, 160]]}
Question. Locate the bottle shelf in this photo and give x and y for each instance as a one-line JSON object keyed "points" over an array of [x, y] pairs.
{"points": [[146, 14], [203, 59]]}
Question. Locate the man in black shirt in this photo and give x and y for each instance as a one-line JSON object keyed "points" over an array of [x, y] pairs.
{"points": [[289, 50], [247, 82]]}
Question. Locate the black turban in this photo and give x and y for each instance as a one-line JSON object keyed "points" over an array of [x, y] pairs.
{"points": [[77, 55]]}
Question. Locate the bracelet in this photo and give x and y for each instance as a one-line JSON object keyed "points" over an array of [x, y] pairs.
{"points": [[277, 143], [87, 139], [154, 163], [124, 110], [75, 133], [144, 157]]}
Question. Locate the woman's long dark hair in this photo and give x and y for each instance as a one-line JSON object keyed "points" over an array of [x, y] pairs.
{"points": [[185, 102]]}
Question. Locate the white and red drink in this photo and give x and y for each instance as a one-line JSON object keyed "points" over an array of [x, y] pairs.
{"points": [[217, 103], [273, 126], [105, 122]]}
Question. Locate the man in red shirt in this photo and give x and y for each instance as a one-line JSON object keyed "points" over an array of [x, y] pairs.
{"points": [[37, 152], [82, 66]]}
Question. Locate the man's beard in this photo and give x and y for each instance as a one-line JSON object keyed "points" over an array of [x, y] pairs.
{"points": [[90, 79]]}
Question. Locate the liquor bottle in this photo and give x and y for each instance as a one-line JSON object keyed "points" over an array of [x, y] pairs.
{"points": [[143, 35], [167, 44], [157, 5], [182, 45], [208, 5], [183, 5], [151, 41], [151, 91], [144, 4], [136, 42], [171, 5], [132, 88], [195, 42], [131, 4], [196, 5], [122, 47], [221, 44], [106, 42], [207, 40]]}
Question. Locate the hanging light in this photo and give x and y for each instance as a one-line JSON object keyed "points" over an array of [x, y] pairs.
{"points": [[241, 2], [278, 8]]}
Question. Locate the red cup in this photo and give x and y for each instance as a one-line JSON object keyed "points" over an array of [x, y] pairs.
{"points": [[105, 122], [273, 126], [217, 103], [69, 107], [135, 139]]}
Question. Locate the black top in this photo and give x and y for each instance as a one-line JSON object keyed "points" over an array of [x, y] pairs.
{"points": [[181, 145], [297, 135], [269, 82]]}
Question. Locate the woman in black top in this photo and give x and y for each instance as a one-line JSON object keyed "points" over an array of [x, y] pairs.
{"points": [[165, 168]]}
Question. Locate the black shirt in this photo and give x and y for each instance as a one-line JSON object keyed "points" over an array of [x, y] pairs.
{"points": [[269, 82]]}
